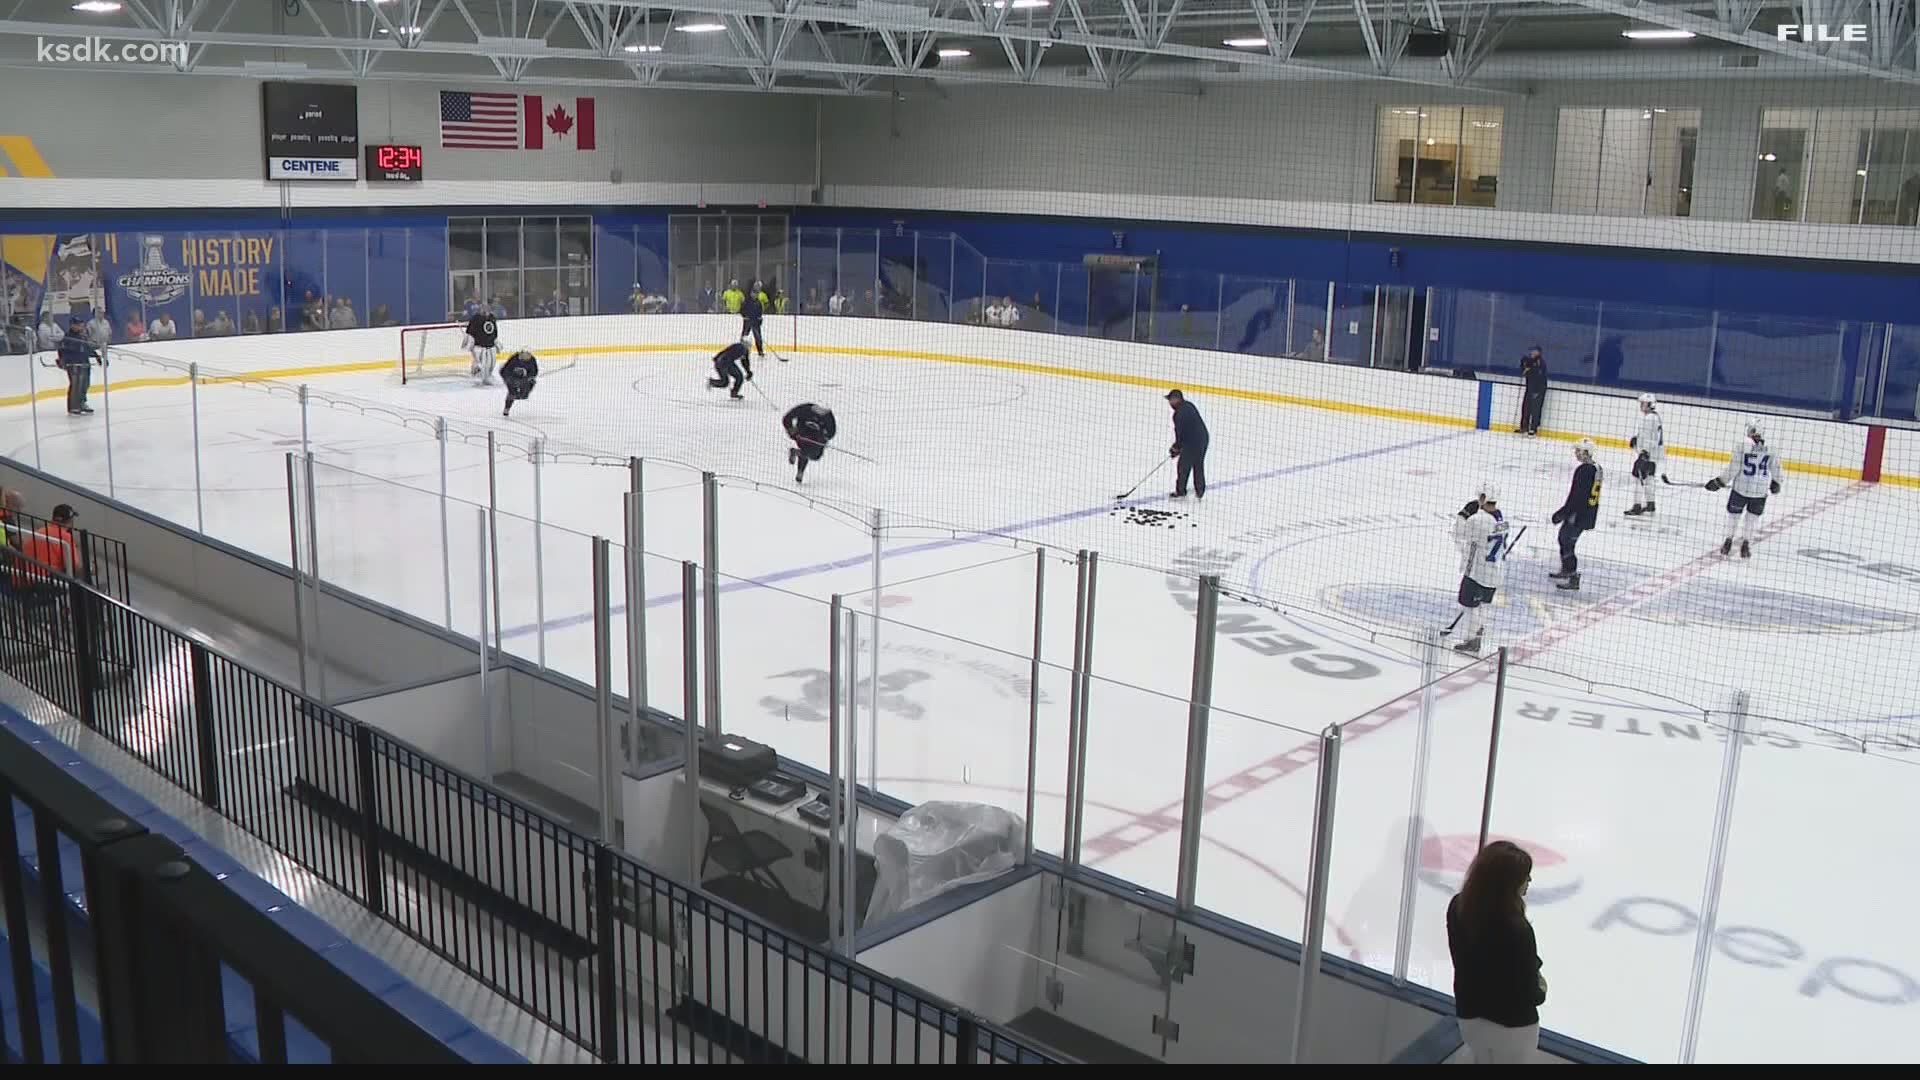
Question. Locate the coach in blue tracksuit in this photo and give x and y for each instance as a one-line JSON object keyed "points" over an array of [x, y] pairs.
{"points": [[1189, 445]]}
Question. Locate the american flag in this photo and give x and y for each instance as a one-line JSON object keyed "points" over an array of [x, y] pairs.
{"points": [[479, 121]]}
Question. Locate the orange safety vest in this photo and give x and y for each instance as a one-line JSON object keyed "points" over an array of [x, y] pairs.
{"points": [[48, 548]]}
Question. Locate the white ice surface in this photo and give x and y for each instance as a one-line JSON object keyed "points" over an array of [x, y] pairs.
{"points": [[1613, 735]]}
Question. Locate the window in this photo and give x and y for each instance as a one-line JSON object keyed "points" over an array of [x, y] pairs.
{"points": [[708, 252], [1838, 166], [1635, 161], [523, 267], [1437, 155]]}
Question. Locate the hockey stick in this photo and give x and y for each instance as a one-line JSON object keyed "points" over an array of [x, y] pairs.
{"points": [[1142, 480], [1665, 479], [837, 449]]}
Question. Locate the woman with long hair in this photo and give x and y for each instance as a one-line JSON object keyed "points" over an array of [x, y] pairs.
{"points": [[1497, 985]]}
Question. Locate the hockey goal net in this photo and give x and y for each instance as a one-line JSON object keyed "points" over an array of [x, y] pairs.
{"points": [[433, 349]]}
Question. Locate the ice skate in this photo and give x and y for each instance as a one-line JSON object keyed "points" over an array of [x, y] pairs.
{"points": [[1471, 646], [1570, 584], [1746, 550], [1726, 548]]}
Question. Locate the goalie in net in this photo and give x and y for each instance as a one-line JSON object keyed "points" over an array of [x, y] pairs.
{"points": [[453, 349]]}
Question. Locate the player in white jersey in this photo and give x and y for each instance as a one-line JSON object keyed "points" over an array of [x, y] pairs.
{"points": [[1753, 472], [1649, 446], [1482, 540]]}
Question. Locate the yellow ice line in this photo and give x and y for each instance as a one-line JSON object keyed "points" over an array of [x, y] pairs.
{"points": [[1114, 378]]}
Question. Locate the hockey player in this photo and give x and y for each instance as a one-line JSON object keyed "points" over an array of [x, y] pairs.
{"points": [[811, 427], [1190, 439], [519, 374], [1754, 472], [1579, 513], [752, 309], [727, 365], [1481, 535], [1649, 446], [483, 335]]}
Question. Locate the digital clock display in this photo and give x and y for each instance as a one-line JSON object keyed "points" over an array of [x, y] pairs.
{"points": [[389, 162]]}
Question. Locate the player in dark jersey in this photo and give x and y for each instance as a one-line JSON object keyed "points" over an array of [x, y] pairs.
{"points": [[1579, 513], [483, 335], [519, 374], [728, 364], [751, 312], [811, 427]]}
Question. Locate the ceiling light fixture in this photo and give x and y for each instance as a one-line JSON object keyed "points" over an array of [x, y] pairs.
{"points": [[1245, 43], [955, 54], [640, 48], [701, 28], [1021, 5], [97, 7], [1657, 35]]}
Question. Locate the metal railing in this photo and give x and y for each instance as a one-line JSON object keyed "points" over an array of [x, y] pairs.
{"points": [[102, 560], [132, 950], [627, 963]]}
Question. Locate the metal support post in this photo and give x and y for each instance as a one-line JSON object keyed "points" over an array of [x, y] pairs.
{"points": [[313, 575], [1373, 339], [1326, 340], [493, 531], [1200, 702], [636, 615], [850, 799], [1416, 803], [446, 549], [483, 520], [690, 686], [1033, 692], [836, 741], [306, 440], [1493, 743], [33, 406], [1069, 847], [873, 665], [193, 404], [299, 605], [1708, 926], [603, 684], [106, 407], [539, 561], [710, 490], [1287, 345], [1313, 933]]}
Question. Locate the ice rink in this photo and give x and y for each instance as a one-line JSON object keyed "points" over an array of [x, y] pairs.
{"points": [[995, 453]]}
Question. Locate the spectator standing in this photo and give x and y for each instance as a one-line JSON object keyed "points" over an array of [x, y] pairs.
{"points": [[1533, 394], [162, 327], [77, 354], [1497, 985], [48, 333], [837, 303], [100, 330]]}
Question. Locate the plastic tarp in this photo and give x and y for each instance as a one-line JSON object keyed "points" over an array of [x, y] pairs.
{"points": [[940, 846]]}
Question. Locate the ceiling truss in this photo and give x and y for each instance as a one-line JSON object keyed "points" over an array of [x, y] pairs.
{"points": [[864, 47]]}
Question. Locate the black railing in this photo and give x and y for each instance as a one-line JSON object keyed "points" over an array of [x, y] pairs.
{"points": [[101, 560], [628, 963], [127, 954]]}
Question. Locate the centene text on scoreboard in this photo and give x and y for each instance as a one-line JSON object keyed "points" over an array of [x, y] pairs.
{"points": [[306, 168]]}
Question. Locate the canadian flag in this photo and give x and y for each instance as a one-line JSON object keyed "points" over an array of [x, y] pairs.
{"points": [[545, 118]]}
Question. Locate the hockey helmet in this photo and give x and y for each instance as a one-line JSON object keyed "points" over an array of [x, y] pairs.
{"points": [[1584, 449], [1490, 493], [1647, 401], [1754, 432]]}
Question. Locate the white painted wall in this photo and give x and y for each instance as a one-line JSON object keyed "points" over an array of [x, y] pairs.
{"points": [[138, 139], [1303, 155]]}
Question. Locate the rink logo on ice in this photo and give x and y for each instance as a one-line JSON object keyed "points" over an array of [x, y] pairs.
{"points": [[1444, 861], [1251, 626], [1527, 606], [809, 700], [1856, 977], [153, 282]]}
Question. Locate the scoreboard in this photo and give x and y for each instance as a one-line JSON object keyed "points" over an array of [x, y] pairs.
{"points": [[386, 161]]}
